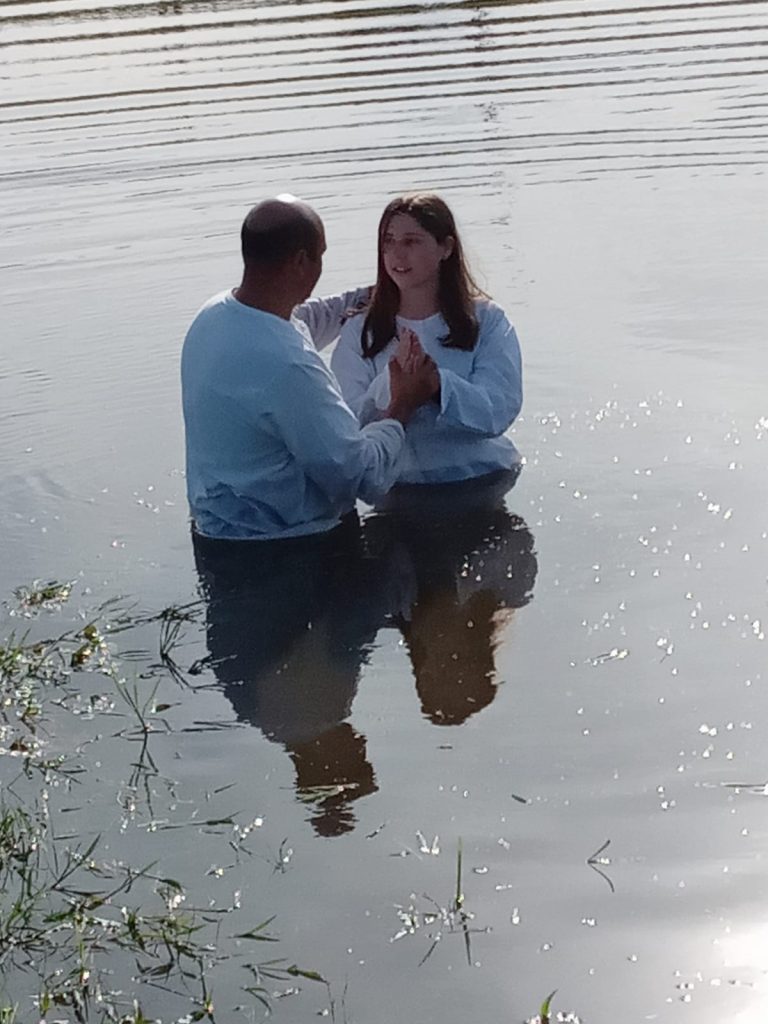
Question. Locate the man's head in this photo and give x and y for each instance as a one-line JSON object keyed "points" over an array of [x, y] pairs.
{"points": [[284, 238]]}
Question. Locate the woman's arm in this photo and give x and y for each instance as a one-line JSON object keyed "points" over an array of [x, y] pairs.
{"points": [[325, 317], [365, 391], [486, 402]]}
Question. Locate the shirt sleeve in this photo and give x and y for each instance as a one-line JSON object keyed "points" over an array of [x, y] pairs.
{"points": [[486, 402], [325, 317], [344, 460], [365, 391]]}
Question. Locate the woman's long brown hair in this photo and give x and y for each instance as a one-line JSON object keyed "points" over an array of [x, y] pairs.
{"points": [[457, 289]]}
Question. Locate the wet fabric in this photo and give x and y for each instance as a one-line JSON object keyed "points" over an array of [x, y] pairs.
{"points": [[272, 449], [481, 393]]}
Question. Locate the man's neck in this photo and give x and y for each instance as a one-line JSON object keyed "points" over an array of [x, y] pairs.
{"points": [[266, 296]]}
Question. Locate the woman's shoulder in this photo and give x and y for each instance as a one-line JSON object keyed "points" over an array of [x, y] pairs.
{"points": [[488, 312], [486, 306]]}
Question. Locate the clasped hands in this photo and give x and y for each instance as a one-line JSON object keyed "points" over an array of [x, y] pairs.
{"points": [[413, 374]]}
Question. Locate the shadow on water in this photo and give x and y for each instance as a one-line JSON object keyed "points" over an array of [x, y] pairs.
{"points": [[290, 625]]}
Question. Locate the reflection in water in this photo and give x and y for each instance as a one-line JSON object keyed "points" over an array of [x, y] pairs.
{"points": [[290, 623], [470, 570], [331, 771]]}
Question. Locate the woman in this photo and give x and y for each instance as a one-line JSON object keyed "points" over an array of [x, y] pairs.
{"points": [[426, 308]]}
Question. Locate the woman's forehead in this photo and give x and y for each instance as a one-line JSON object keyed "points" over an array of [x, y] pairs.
{"points": [[404, 223]]}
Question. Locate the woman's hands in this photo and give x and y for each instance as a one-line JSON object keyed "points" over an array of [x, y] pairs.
{"points": [[412, 357], [413, 376]]}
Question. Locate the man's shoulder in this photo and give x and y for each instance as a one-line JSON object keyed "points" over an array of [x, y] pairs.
{"points": [[302, 331], [208, 319], [217, 301], [222, 315]]}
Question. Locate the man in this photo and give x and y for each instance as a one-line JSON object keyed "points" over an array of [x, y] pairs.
{"points": [[272, 449]]}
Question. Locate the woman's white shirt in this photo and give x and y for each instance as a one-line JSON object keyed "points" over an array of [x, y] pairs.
{"points": [[461, 436]]}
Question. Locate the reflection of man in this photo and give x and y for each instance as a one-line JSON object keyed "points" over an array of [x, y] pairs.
{"points": [[470, 573], [332, 770], [287, 626], [272, 449]]}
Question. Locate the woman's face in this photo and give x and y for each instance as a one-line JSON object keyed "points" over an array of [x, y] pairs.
{"points": [[412, 256]]}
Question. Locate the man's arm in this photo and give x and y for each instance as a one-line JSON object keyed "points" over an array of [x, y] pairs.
{"points": [[322, 433], [325, 317]]}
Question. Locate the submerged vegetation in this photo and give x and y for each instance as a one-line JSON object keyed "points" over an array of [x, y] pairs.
{"points": [[85, 934]]}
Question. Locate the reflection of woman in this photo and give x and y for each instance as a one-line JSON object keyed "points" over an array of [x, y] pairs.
{"points": [[426, 308], [471, 572], [286, 628]]}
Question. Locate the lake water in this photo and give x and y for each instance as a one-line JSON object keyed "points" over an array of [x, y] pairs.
{"points": [[585, 665]]}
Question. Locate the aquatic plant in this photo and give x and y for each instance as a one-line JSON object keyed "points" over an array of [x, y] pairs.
{"points": [[596, 859], [86, 936], [436, 920], [544, 1015]]}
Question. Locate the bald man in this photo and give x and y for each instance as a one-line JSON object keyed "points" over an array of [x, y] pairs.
{"points": [[272, 449]]}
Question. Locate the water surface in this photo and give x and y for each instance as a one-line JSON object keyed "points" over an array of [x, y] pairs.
{"points": [[607, 166]]}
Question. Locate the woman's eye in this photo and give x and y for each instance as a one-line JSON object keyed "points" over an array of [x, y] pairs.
{"points": [[389, 241]]}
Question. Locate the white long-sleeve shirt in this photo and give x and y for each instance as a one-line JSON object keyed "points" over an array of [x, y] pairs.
{"points": [[272, 448], [480, 395], [324, 317]]}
